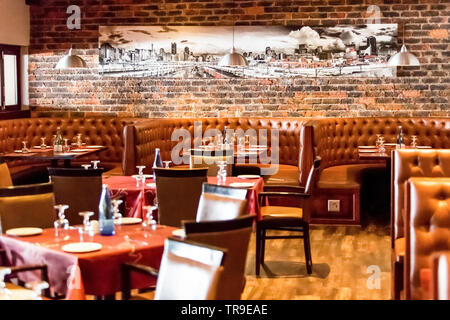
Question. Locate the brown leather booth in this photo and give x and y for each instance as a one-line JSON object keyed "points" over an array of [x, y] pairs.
{"points": [[97, 131], [427, 229], [142, 138], [441, 276], [406, 164], [336, 141]]}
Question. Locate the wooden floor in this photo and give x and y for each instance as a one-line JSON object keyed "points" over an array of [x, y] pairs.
{"points": [[341, 256]]}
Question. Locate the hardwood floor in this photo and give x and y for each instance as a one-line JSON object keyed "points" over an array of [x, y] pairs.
{"points": [[341, 257]]}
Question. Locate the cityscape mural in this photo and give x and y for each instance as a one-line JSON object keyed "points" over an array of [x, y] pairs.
{"points": [[271, 51]]}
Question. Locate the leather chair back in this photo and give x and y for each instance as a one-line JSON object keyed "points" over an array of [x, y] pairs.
{"points": [[27, 206], [189, 271], [407, 163], [79, 188], [178, 192], [427, 229], [221, 203], [441, 276], [233, 235], [5, 175]]}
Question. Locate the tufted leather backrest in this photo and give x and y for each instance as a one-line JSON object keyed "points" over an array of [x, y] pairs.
{"points": [[142, 138], [427, 228], [97, 131], [441, 276], [409, 163]]}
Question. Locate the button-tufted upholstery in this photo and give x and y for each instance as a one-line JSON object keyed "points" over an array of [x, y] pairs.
{"points": [[142, 138], [427, 228], [97, 131]]}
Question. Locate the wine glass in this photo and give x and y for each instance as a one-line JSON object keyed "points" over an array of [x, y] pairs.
{"points": [[381, 147], [95, 164], [241, 143], [62, 223], [414, 141], [24, 148], [117, 215], [5, 294], [87, 225], [167, 164], [79, 141], [140, 170], [43, 145], [149, 221], [66, 146], [222, 172], [86, 166]]}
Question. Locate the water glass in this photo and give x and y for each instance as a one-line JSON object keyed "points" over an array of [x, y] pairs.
{"points": [[87, 225], [79, 141], [24, 148], [167, 164], [222, 172], [380, 145], [86, 166], [66, 147], [140, 170], [62, 224], [149, 221], [95, 164], [414, 141], [43, 145], [241, 143], [117, 215]]}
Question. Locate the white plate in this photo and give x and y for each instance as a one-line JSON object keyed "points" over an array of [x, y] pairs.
{"points": [[368, 151], [93, 147], [367, 147], [390, 144], [151, 185], [423, 147], [249, 176], [242, 184], [79, 150], [81, 247], [128, 220], [18, 151], [39, 147], [23, 232], [179, 233]]}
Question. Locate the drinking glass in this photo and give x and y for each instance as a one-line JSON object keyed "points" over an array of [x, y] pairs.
{"points": [[24, 149], [140, 170], [414, 141], [5, 294], [87, 226], [86, 166], [37, 287], [149, 221], [117, 216], [66, 147], [43, 145], [95, 164], [222, 172], [381, 148], [79, 141], [241, 143], [167, 164], [62, 224]]}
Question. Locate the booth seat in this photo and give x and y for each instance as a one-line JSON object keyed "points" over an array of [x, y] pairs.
{"points": [[336, 141]]}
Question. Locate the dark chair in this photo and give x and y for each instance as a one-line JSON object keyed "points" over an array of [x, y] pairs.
{"points": [[233, 235], [5, 175], [188, 271], [221, 203], [283, 218], [79, 188], [178, 193], [27, 206]]}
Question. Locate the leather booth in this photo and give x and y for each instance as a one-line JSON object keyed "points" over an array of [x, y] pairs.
{"points": [[97, 131], [142, 138], [427, 230], [336, 141]]}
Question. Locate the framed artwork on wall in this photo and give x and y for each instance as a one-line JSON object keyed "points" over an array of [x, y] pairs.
{"points": [[271, 51]]}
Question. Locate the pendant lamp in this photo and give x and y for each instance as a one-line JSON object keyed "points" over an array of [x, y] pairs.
{"points": [[71, 61], [403, 58]]}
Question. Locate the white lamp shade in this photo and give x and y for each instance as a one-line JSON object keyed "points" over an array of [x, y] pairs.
{"points": [[71, 61], [403, 58], [233, 59]]}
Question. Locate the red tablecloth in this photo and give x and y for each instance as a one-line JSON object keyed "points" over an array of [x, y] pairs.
{"points": [[136, 197], [95, 273]]}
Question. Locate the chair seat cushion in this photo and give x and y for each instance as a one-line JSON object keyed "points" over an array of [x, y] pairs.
{"points": [[281, 212], [286, 175], [344, 176], [400, 247]]}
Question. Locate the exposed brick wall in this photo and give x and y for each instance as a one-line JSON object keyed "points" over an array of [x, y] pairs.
{"points": [[417, 91]]}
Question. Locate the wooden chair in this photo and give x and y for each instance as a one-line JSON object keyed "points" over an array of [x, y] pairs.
{"points": [[27, 206], [233, 235], [178, 193], [188, 271], [283, 218], [79, 188], [221, 203], [5, 175]]}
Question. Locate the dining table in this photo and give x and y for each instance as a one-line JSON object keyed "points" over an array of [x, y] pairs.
{"points": [[97, 273], [136, 196]]}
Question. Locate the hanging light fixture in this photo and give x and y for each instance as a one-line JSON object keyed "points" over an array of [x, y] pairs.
{"points": [[233, 59], [403, 58], [71, 61]]}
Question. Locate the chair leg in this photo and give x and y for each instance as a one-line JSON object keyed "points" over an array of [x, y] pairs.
{"points": [[258, 249], [398, 279], [263, 245], [307, 246]]}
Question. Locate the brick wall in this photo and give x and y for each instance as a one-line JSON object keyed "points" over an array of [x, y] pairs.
{"points": [[417, 91]]}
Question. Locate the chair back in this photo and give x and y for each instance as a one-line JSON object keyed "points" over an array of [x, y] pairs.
{"points": [[79, 188], [312, 176], [27, 206], [199, 160], [427, 229], [441, 276], [178, 192], [5, 175], [189, 271], [233, 235], [221, 203]]}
